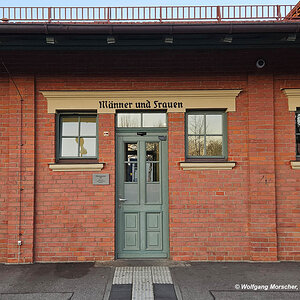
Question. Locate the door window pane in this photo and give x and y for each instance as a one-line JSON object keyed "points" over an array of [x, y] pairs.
{"points": [[131, 163], [152, 151], [154, 120], [152, 165]]}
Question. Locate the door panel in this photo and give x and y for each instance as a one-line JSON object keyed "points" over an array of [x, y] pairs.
{"points": [[142, 196], [154, 231]]}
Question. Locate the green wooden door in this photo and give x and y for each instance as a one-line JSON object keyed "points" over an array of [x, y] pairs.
{"points": [[142, 196]]}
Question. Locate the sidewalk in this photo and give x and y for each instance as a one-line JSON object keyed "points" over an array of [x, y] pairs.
{"points": [[192, 281]]}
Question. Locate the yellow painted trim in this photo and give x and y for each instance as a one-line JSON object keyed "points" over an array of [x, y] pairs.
{"points": [[295, 165], [76, 167], [191, 99], [207, 166], [293, 98]]}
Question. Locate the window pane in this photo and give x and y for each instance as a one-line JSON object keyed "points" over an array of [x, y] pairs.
{"points": [[195, 146], [152, 151], [69, 126], [298, 144], [213, 145], [88, 126], [87, 147], [130, 152], [69, 147], [131, 172], [195, 124], [131, 166], [154, 120], [152, 172], [213, 124], [129, 120], [298, 122]]}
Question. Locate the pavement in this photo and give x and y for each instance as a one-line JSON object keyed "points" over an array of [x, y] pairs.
{"points": [[190, 280]]}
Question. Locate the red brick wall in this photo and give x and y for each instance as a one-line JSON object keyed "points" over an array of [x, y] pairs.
{"points": [[4, 156], [74, 218], [214, 215], [209, 208], [287, 179]]}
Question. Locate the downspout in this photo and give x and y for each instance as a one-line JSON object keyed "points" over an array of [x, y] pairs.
{"points": [[19, 228]]}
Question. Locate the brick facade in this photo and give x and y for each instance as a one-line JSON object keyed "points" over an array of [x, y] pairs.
{"points": [[248, 213]]}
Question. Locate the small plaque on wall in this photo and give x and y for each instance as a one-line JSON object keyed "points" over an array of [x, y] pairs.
{"points": [[100, 179]]}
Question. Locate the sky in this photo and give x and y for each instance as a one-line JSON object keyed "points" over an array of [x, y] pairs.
{"points": [[101, 3]]}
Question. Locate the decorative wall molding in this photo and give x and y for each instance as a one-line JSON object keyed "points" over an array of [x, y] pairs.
{"points": [[293, 98], [75, 167], [186, 166], [295, 165], [109, 101]]}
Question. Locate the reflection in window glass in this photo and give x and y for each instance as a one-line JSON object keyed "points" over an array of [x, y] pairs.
{"points": [[88, 126], [131, 165], [213, 145], [154, 120], [152, 151], [298, 123], [152, 158], [70, 126], [141, 120], [205, 134], [129, 120], [195, 145], [214, 124], [196, 124]]}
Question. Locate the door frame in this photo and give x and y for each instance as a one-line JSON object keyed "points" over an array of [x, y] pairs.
{"points": [[132, 132]]}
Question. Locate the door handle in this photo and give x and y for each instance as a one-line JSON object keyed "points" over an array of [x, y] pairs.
{"points": [[122, 199]]}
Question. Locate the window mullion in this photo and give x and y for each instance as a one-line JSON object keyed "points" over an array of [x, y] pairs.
{"points": [[204, 134], [78, 137]]}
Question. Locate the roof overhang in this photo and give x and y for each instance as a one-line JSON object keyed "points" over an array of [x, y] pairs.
{"points": [[50, 36]]}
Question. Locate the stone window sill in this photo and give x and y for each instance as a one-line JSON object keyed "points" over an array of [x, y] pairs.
{"points": [[295, 165], [187, 166], [75, 167]]}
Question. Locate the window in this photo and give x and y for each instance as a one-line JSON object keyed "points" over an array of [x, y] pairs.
{"points": [[206, 134], [298, 134], [150, 119], [76, 136]]}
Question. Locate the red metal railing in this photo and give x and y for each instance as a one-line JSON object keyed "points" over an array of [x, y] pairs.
{"points": [[160, 14]]}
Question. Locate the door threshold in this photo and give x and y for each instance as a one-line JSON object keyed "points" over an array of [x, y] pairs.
{"points": [[145, 262]]}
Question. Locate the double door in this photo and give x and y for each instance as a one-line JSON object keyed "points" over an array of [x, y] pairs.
{"points": [[142, 196]]}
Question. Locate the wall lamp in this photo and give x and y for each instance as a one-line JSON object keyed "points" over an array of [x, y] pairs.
{"points": [[111, 40], [169, 39], [50, 40], [227, 39], [291, 37]]}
